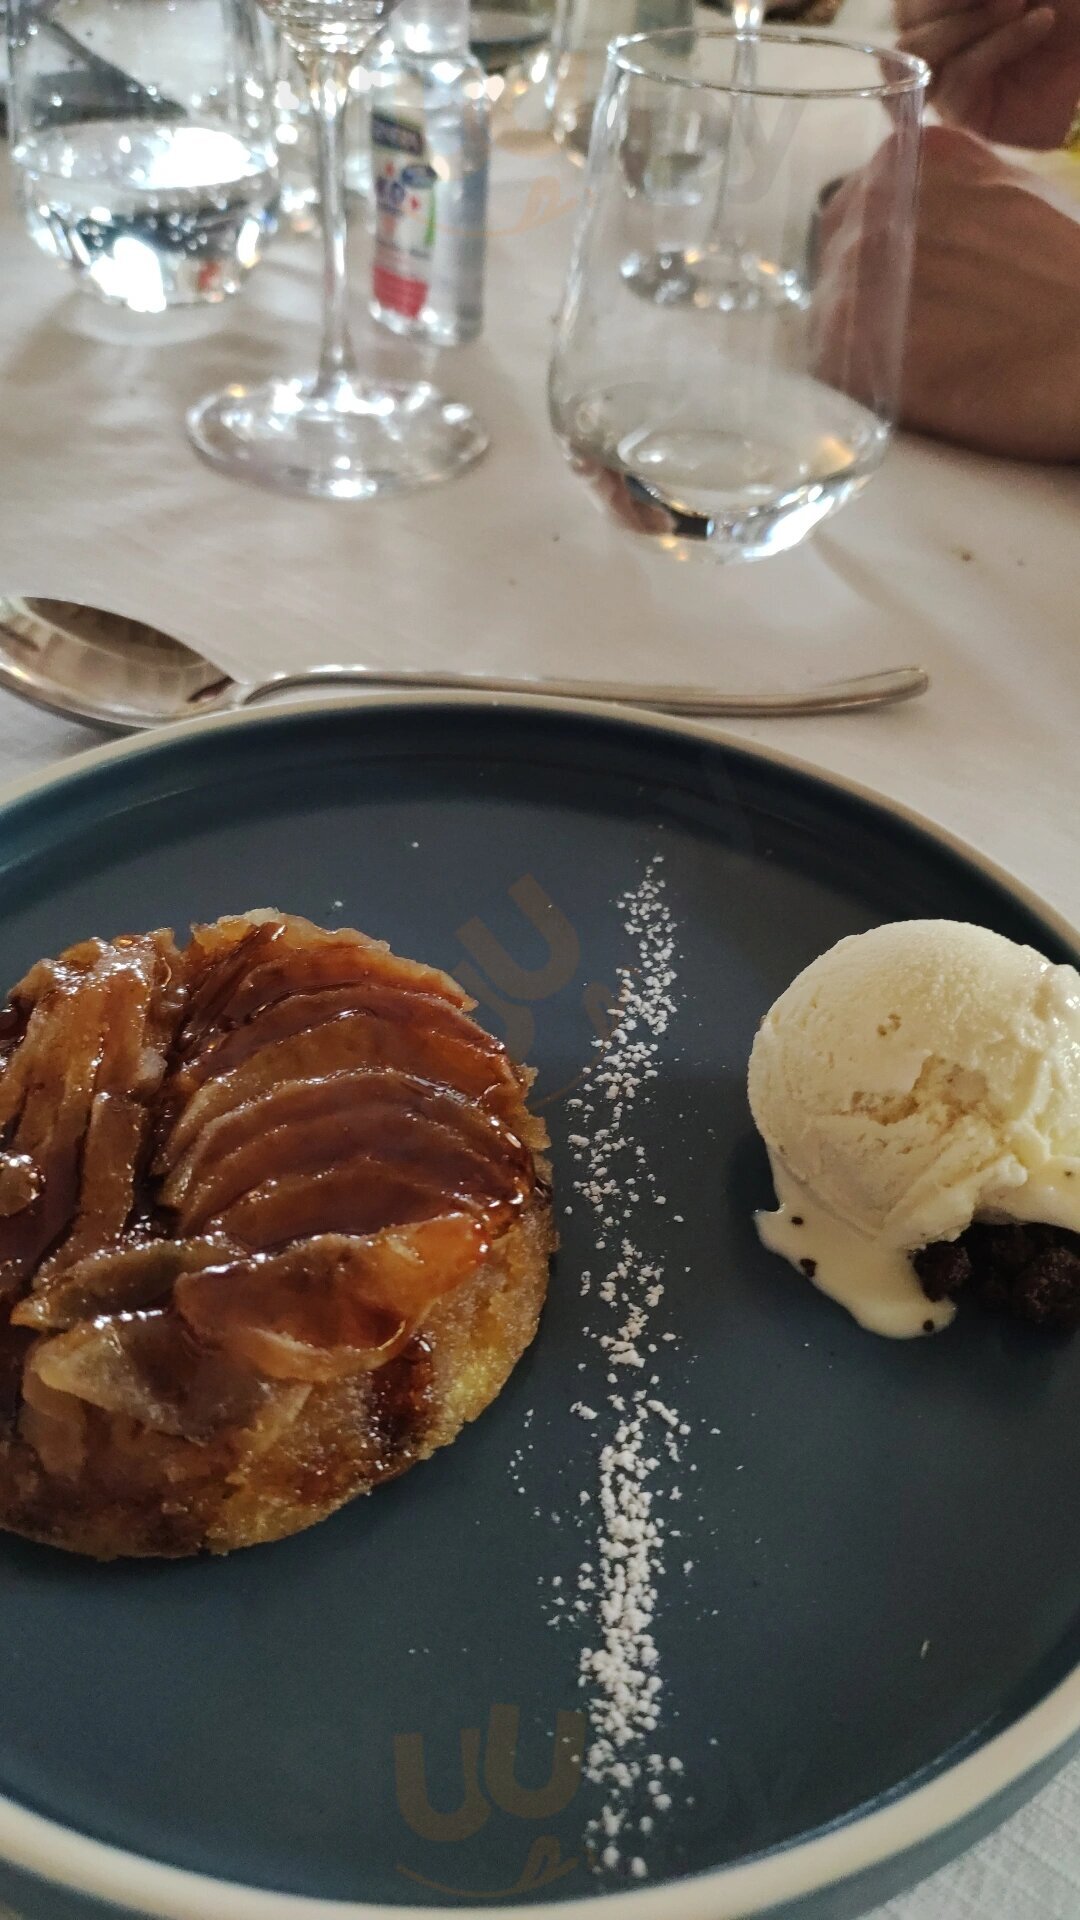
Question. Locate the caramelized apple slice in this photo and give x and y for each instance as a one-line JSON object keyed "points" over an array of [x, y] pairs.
{"points": [[240, 965], [146, 998], [96, 1057], [51, 1126], [297, 1012], [148, 1366], [309, 1127], [339, 960], [115, 1133], [295, 956], [37, 1001], [360, 1195], [217, 958], [115, 1280], [335, 1306], [297, 1103], [356, 1040], [54, 1424], [19, 1059]]}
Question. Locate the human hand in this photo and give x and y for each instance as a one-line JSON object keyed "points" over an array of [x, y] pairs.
{"points": [[993, 348], [1005, 69]]}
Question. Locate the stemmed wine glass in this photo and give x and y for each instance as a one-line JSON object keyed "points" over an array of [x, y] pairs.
{"points": [[336, 434]]}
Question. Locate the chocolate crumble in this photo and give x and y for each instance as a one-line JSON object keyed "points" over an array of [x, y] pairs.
{"points": [[1028, 1269]]}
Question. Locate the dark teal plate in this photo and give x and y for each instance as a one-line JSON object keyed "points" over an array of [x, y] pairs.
{"points": [[885, 1537]]}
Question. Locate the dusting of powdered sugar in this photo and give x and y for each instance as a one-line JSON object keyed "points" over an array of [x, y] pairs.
{"points": [[637, 1432]]}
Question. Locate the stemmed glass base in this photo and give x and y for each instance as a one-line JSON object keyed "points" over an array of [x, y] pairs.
{"points": [[339, 439], [723, 274], [336, 434]]}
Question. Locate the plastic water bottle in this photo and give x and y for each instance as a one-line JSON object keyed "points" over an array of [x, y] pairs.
{"points": [[430, 138]]}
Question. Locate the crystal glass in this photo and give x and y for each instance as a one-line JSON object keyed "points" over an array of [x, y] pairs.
{"points": [[335, 434], [735, 430], [143, 145]]}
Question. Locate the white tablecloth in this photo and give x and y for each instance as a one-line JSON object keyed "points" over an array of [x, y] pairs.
{"points": [[968, 566]]}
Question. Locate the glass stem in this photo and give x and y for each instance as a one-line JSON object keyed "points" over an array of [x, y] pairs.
{"points": [[747, 18], [328, 76]]}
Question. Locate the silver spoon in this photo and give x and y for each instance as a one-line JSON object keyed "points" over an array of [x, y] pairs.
{"points": [[123, 674]]}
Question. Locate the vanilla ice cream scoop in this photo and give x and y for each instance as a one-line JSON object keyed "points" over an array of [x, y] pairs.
{"points": [[908, 1081]]}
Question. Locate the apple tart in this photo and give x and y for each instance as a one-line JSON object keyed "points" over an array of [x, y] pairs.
{"points": [[275, 1223]]}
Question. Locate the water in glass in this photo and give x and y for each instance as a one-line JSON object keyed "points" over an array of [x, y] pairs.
{"points": [[716, 468], [142, 137], [150, 213]]}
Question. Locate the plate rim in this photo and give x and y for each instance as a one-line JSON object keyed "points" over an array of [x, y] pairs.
{"points": [[136, 1882]]}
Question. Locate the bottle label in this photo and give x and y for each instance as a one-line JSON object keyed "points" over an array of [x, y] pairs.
{"points": [[404, 184]]}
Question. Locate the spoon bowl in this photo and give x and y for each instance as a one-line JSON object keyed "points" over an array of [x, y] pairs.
{"points": [[115, 672], [104, 667]]}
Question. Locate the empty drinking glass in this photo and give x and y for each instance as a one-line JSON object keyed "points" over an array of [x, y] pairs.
{"points": [[142, 138], [735, 429]]}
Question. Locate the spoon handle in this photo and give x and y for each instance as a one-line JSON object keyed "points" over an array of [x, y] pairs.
{"points": [[839, 696]]}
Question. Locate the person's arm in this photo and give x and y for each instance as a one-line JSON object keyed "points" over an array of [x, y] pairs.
{"points": [[993, 349], [1006, 69]]}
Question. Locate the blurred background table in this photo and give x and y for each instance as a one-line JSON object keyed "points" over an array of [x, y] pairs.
{"points": [[968, 566]]}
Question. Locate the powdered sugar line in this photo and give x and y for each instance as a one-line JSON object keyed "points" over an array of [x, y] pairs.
{"points": [[617, 1587]]}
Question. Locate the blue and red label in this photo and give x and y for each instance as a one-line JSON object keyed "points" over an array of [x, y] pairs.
{"points": [[404, 184]]}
